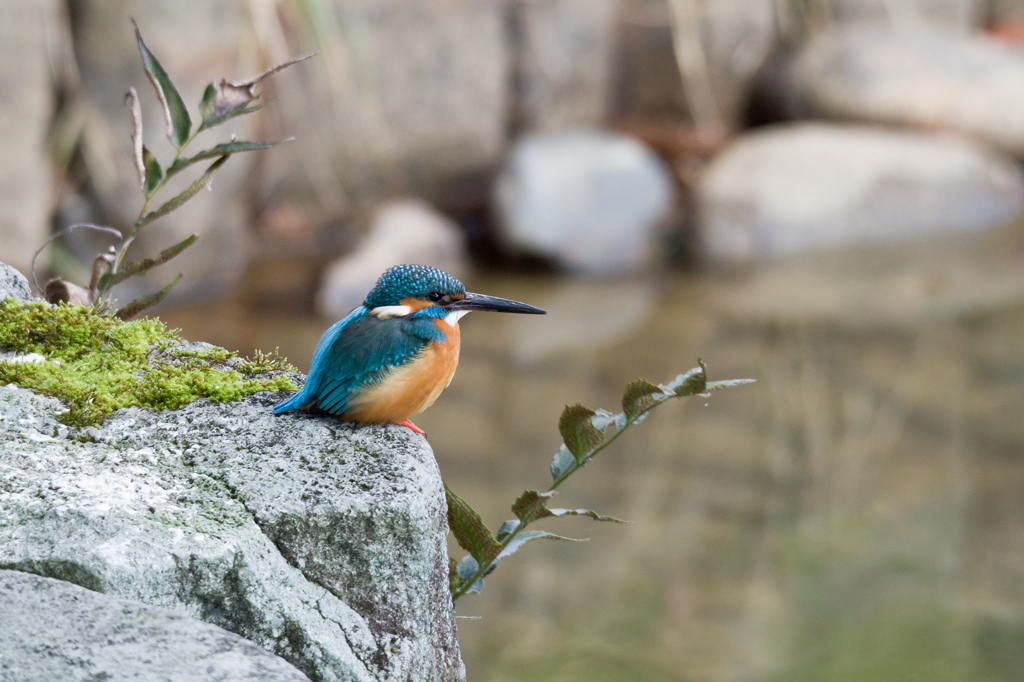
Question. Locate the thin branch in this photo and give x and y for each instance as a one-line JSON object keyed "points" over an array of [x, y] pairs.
{"points": [[61, 233], [693, 66]]}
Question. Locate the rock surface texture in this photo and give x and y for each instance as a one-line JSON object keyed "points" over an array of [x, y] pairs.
{"points": [[54, 630], [13, 284], [320, 542], [795, 188]]}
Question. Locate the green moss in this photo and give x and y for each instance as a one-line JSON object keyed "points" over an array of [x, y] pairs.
{"points": [[99, 364], [264, 363]]}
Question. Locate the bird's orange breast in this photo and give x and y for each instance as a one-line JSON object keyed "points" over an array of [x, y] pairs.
{"points": [[411, 388]]}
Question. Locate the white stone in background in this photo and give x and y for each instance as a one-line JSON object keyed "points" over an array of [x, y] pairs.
{"points": [[795, 188], [406, 231], [590, 200], [915, 76]]}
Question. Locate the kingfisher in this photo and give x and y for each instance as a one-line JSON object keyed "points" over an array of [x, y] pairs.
{"points": [[391, 357]]}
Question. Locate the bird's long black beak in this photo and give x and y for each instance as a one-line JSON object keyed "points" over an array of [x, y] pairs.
{"points": [[494, 304]]}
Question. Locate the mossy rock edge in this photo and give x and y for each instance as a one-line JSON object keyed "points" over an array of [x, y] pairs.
{"points": [[95, 363]]}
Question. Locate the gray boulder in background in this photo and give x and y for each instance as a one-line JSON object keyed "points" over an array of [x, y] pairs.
{"points": [[959, 15], [795, 188], [54, 630], [322, 543], [915, 76], [589, 200]]}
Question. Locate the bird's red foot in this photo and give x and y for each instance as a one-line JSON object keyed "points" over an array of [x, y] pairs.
{"points": [[408, 422]]}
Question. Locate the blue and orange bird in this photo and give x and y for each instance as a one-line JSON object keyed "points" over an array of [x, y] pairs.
{"points": [[391, 357]]}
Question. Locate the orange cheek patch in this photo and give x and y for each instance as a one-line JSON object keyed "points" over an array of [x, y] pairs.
{"points": [[415, 304]]}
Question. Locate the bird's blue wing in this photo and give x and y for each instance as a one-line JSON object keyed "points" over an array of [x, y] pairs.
{"points": [[307, 395], [358, 351], [363, 354]]}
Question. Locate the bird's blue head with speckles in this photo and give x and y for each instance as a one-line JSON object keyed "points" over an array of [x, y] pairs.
{"points": [[413, 281]]}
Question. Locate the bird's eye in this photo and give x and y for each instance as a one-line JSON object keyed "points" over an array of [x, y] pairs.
{"points": [[434, 296]]}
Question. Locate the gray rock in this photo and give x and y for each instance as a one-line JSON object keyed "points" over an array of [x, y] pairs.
{"points": [[54, 630], [589, 200], [25, 118], [13, 284], [959, 15], [407, 231], [800, 187], [915, 76], [320, 542], [564, 51]]}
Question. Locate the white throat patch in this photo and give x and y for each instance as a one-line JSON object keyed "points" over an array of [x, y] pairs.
{"points": [[454, 316], [386, 311]]}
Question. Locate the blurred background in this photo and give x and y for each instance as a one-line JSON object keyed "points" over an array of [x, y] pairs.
{"points": [[823, 195]]}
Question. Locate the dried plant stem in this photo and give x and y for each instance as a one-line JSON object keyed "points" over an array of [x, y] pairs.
{"points": [[693, 66], [139, 221]]}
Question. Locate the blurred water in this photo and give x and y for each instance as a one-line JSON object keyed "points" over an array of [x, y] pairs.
{"points": [[858, 514]]}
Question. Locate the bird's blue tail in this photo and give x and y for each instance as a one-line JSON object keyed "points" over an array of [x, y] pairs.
{"points": [[308, 394], [297, 402]]}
